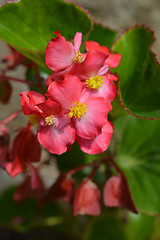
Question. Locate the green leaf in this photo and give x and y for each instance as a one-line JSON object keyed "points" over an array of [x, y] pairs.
{"points": [[103, 35], [105, 227], [139, 226], [139, 72], [138, 156], [29, 25]]}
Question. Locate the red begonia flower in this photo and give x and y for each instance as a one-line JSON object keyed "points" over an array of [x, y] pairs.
{"points": [[98, 144], [63, 189], [117, 193], [25, 150], [61, 54], [87, 199], [88, 113], [112, 61], [55, 131], [4, 144]]}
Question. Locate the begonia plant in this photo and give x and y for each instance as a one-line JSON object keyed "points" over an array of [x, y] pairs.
{"points": [[89, 104]]}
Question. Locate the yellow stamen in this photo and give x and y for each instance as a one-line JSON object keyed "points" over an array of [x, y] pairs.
{"points": [[95, 82], [78, 57], [78, 110], [33, 119], [49, 120]]}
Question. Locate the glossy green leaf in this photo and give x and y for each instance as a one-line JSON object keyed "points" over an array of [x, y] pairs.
{"points": [[105, 36], [139, 72], [138, 155], [29, 25], [105, 227]]}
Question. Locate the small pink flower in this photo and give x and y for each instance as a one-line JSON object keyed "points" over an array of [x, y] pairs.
{"points": [[61, 54], [89, 114], [117, 193], [87, 199], [96, 77], [112, 61], [55, 132]]}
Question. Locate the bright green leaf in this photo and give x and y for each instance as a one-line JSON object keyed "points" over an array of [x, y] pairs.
{"points": [[29, 25], [139, 72], [138, 155]]}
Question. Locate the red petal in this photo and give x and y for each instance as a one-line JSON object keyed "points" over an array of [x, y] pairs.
{"points": [[5, 91]]}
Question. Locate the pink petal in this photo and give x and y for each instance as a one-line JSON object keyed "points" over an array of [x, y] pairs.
{"points": [[59, 53], [113, 60], [92, 45], [87, 199], [98, 144], [65, 92], [112, 77], [103, 70], [91, 65], [107, 91], [77, 41], [56, 140], [14, 168], [90, 125], [49, 107], [29, 100]]}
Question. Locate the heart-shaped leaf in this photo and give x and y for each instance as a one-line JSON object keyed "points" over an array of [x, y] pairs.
{"points": [[139, 158], [29, 25], [139, 71]]}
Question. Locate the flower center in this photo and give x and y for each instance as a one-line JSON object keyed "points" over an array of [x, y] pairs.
{"points": [[78, 57], [49, 120], [33, 119], [78, 110], [95, 82]]}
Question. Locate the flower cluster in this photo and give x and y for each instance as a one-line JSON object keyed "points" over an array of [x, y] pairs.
{"points": [[79, 96]]}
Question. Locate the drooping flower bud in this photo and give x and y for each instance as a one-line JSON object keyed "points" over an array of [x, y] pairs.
{"points": [[117, 193], [4, 144], [87, 199]]}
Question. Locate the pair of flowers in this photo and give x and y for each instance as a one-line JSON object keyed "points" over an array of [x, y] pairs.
{"points": [[79, 97]]}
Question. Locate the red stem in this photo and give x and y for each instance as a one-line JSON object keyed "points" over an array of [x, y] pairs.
{"points": [[3, 77], [73, 171], [11, 117]]}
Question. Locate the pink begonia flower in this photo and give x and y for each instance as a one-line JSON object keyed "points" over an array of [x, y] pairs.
{"points": [[55, 132], [98, 144], [117, 193], [97, 77], [25, 150], [61, 55], [87, 199], [88, 113], [112, 61]]}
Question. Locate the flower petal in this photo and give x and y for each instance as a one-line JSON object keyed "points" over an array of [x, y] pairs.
{"points": [[77, 41], [49, 107], [92, 45], [98, 144], [56, 140], [90, 125], [113, 60], [29, 100], [91, 65], [65, 92], [59, 53]]}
